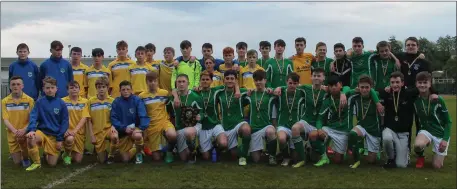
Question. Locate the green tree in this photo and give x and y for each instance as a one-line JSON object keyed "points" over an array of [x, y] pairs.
{"points": [[396, 45]]}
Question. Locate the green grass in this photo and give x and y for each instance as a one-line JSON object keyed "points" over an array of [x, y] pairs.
{"points": [[229, 175]]}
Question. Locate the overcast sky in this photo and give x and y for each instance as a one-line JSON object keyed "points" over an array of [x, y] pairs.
{"points": [[101, 24]]}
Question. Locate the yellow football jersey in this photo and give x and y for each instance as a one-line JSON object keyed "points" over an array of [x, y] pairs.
{"points": [[165, 73], [76, 111], [17, 112], [222, 68], [138, 77], [302, 66], [120, 71], [79, 73], [156, 108], [92, 74], [218, 79], [99, 111], [155, 63], [245, 79]]}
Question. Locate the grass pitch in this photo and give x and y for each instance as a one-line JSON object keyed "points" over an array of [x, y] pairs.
{"points": [[228, 174]]}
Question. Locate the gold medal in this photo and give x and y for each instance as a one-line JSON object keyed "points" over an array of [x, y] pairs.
{"points": [[258, 116], [314, 113], [409, 72], [315, 99], [364, 114], [290, 118], [206, 115], [290, 107], [396, 118], [258, 103], [229, 101]]}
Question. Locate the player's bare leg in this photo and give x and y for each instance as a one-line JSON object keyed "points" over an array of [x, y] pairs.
{"points": [[137, 136], [190, 133], [245, 133], [33, 151], [372, 157], [114, 138], [170, 135], [419, 145], [77, 157], [68, 148], [284, 147], [221, 141], [437, 161]]}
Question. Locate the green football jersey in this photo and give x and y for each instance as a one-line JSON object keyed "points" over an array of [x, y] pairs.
{"points": [[312, 103], [243, 63], [261, 107], [324, 64], [335, 118], [290, 107], [277, 72], [210, 111], [231, 107], [263, 63], [191, 99], [366, 113], [382, 68], [434, 117], [360, 65]]}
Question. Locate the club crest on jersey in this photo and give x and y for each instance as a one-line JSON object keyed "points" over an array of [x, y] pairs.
{"points": [[416, 66], [109, 106], [29, 74], [56, 110], [62, 70], [131, 110]]}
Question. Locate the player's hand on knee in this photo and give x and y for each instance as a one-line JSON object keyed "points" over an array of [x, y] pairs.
{"points": [[20, 133], [31, 135], [59, 145], [443, 146]]}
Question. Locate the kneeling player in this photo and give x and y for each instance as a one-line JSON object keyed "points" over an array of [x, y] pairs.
{"points": [[232, 116], [48, 124], [78, 111], [129, 117], [100, 127], [16, 109], [435, 121], [261, 108], [186, 133], [368, 125], [156, 100]]}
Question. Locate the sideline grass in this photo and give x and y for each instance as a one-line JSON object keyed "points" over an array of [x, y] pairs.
{"points": [[230, 175]]}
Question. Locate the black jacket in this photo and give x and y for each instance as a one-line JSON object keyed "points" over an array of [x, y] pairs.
{"points": [[343, 69], [419, 65]]}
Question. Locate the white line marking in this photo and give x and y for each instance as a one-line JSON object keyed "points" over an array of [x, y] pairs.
{"points": [[77, 172]]}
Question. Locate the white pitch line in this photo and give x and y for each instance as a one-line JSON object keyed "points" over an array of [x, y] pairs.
{"points": [[77, 172]]}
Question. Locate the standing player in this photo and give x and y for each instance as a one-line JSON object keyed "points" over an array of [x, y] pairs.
{"points": [[207, 51], [139, 70], [278, 67], [413, 62], [100, 128], [241, 48], [216, 76], [78, 111], [120, 67], [188, 67], [246, 73], [129, 117], [289, 104], [261, 104], [435, 121], [186, 134], [58, 68], [156, 100], [150, 52], [228, 64], [360, 61], [342, 66], [96, 71], [368, 122], [383, 64], [321, 60], [232, 116], [27, 70], [79, 69], [302, 61], [47, 127], [264, 48], [16, 108], [166, 69]]}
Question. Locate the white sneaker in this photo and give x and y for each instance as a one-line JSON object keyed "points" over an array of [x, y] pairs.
{"points": [[242, 161], [285, 162]]}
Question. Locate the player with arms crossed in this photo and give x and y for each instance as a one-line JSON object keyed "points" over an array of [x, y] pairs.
{"points": [[186, 122], [100, 127], [78, 111], [435, 121], [47, 127], [156, 100], [128, 115], [261, 109], [232, 116], [16, 108]]}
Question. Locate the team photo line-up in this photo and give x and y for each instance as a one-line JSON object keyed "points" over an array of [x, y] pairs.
{"points": [[283, 108]]}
